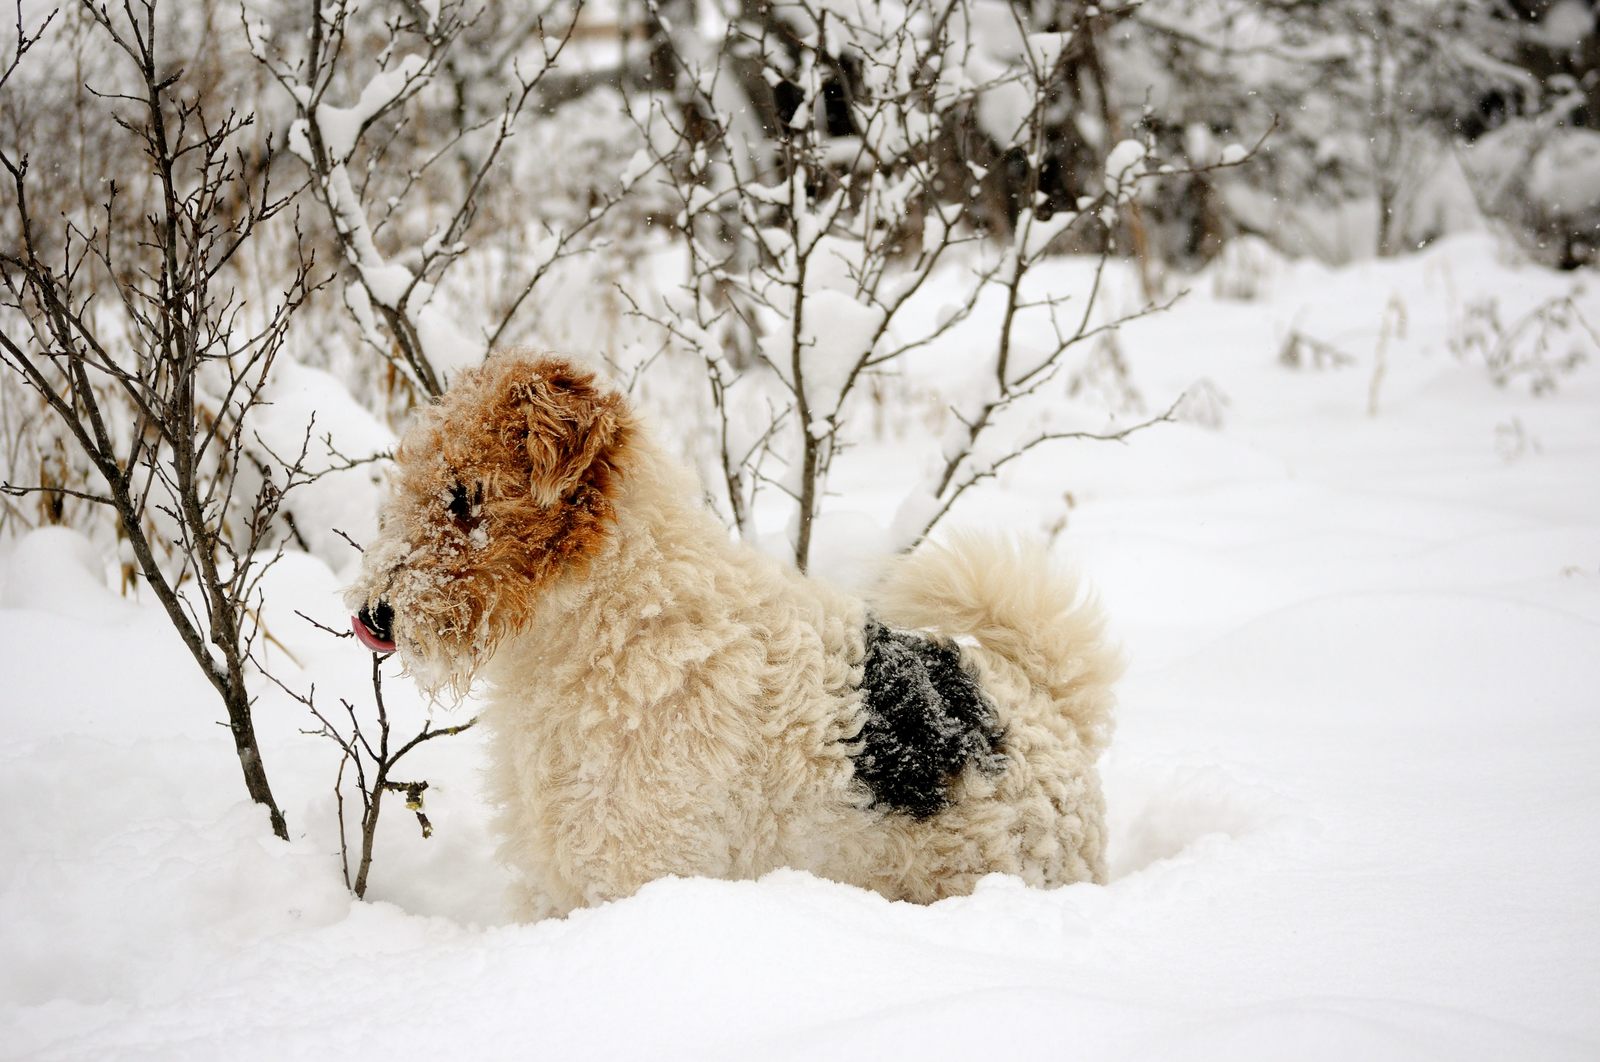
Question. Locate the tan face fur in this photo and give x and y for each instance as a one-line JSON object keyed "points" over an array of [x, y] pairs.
{"points": [[505, 484]]}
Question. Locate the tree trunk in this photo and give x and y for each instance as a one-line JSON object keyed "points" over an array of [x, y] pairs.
{"points": [[242, 724]]}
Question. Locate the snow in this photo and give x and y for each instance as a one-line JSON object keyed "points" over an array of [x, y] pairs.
{"points": [[1352, 791], [342, 431], [1565, 176], [1003, 110], [1232, 154], [1125, 162], [445, 344], [1564, 24], [1045, 49], [1036, 235], [837, 328], [57, 568], [342, 125], [837, 332]]}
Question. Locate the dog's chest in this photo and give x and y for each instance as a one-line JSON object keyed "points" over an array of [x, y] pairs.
{"points": [[926, 719]]}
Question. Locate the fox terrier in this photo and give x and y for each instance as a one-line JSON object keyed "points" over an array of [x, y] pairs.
{"points": [[663, 700]]}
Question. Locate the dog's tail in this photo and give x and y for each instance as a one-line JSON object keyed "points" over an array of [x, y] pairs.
{"points": [[1017, 605]]}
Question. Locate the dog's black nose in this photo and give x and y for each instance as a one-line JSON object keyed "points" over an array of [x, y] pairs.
{"points": [[380, 621]]}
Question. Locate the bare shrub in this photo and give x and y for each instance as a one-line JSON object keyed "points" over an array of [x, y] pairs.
{"points": [[815, 217], [369, 752], [152, 364], [1539, 348], [375, 163]]}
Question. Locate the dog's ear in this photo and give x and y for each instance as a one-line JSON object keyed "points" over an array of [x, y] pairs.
{"points": [[574, 430]]}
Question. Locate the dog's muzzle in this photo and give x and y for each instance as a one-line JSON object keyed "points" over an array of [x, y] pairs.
{"points": [[374, 627]]}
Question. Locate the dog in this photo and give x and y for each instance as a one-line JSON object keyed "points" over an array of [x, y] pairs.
{"points": [[663, 700]]}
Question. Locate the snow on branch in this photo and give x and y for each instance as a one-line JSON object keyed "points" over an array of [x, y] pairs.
{"points": [[810, 152], [393, 298]]}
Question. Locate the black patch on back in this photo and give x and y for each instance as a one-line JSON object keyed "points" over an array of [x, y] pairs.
{"points": [[927, 719]]}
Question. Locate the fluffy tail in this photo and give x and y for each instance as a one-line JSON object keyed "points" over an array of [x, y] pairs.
{"points": [[1010, 598]]}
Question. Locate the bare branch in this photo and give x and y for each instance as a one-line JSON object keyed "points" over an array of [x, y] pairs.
{"points": [[991, 469]]}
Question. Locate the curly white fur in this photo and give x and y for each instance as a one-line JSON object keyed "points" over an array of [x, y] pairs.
{"points": [[681, 704]]}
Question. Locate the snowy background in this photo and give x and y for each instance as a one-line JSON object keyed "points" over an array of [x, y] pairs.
{"points": [[1354, 803]]}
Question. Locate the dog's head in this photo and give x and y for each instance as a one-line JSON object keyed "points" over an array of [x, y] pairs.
{"points": [[504, 485]]}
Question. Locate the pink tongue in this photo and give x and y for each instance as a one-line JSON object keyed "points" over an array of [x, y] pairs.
{"points": [[368, 639]]}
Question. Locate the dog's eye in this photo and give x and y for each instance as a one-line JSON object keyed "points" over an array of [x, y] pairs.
{"points": [[465, 506]]}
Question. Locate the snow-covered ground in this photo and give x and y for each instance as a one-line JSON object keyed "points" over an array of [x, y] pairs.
{"points": [[1354, 785]]}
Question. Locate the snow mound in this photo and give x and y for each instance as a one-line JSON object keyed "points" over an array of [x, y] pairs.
{"points": [[57, 570]]}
